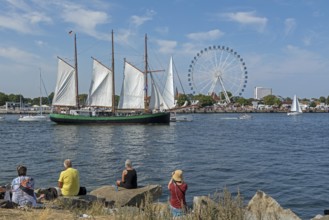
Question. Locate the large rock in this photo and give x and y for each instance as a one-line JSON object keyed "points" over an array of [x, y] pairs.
{"points": [[128, 197], [321, 217], [84, 201], [201, 204], [264, 207]]}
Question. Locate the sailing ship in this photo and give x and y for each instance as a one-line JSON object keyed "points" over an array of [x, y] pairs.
{"points": [[38, 117], [295, 107], [133, 107]]}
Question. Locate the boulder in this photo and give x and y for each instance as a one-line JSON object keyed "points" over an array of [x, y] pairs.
{"points": [[264, 207], [128, 197], [321, 217], [84, 201], [202, 204]]}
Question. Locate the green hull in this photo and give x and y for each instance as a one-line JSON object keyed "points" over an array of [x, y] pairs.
{"points": [[156, 118]]}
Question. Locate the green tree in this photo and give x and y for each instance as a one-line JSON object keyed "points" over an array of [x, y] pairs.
{"points": [[313, 104], [117, 99], [222, 95], [204, 100], [322, 99], [50, 97], [83, 99], [243, 102], [272, 100], [15, 98], [181, 99], [3, 99], [288, 99], [327, 101]]}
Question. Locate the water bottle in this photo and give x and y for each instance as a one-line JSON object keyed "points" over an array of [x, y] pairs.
{"points": [[7, 193]]}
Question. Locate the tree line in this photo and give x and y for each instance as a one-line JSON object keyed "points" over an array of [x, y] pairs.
{"points": [[204, 100]]}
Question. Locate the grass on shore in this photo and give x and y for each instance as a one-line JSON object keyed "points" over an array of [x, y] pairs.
{"points": [[222, 206]]}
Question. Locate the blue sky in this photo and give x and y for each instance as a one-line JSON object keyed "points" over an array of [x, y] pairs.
{"points": [[284, 43]]}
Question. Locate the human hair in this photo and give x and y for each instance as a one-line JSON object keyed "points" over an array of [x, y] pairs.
{"points": [[21, 170], [67, 163], [128, 163]]}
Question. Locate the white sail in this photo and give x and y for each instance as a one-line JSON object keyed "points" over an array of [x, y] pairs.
{"points": [[295, 107], [133, 86], [169, 92], [65, 91], [157, 100], [100, 92]]}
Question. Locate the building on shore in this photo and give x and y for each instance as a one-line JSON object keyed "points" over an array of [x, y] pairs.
{"points": [[261, 92]]}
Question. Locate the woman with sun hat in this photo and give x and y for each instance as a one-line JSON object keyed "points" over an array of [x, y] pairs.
{"points": [[177, 188]]}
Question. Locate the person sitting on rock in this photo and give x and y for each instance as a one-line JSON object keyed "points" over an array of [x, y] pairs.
{"points": [[177, 188], [22, 188], [69, 180], [129, 177]]}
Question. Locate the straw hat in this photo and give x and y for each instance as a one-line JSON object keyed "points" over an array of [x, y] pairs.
{"points": [[178, 175]]}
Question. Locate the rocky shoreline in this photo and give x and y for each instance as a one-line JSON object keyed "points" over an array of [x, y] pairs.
{"points": [[115, 200]]}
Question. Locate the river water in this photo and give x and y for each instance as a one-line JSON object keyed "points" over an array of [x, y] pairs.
{"points": [[286, 157]]}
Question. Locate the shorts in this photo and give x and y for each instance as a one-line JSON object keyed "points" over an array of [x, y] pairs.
{"points": [[176, 212]]}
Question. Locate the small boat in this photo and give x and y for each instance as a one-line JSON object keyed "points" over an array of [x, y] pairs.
{"points": [[33, 118], [172, 116], [133, 107], [183, 118], [180, 118], [245, 116], [295, 107], [38, 117]]}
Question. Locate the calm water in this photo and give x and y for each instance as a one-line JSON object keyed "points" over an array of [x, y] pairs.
{"points": [[284, 156]]}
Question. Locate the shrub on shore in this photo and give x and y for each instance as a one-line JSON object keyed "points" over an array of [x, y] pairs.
{"points": [[222, 206]]}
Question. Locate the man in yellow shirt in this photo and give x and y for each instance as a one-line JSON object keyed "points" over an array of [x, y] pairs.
{"points": [[68, 181]]}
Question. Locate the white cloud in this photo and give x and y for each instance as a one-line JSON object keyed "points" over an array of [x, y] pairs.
{"points": [[139, 20], [290, 25], [167, 47], [162, 30], [210, 35], [124, 37], [247, 18], [21, 18], [40, 43], [17, 55], [85, 20], [19, 4]]}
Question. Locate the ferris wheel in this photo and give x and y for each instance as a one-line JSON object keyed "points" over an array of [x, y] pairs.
{"points": [[217, 70]]}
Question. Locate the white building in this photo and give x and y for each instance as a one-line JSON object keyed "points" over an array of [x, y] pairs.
{"points": [[261, 92]]}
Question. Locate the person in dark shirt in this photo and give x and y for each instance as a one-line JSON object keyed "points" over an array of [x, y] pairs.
{"points": [[129, 177]]}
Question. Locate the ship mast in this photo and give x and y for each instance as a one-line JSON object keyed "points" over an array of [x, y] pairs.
{"points": [[76, 70], [146, 103], [113, 84]]}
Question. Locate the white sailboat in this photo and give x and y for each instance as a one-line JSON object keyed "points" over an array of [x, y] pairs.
{"points": [[295, 107], [38, 117], [169, 90], [168, 94]]}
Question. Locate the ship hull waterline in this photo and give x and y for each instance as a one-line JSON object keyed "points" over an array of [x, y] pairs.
{"points": [[162, 118]]}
